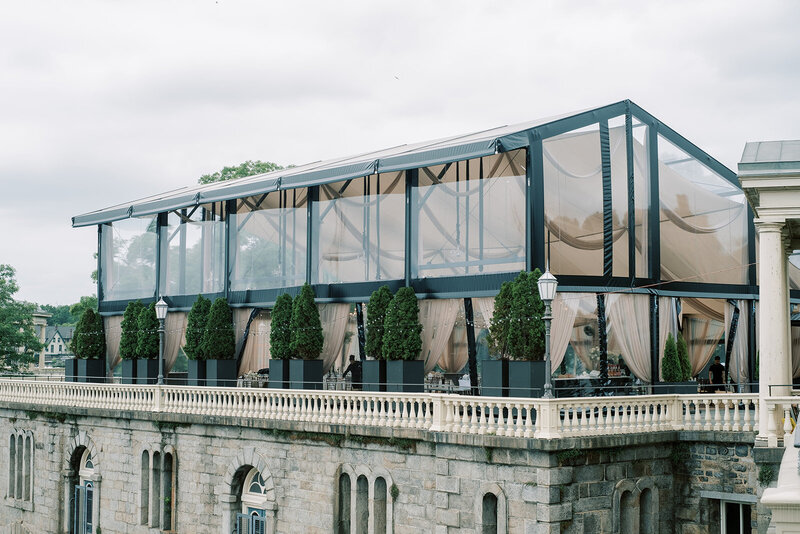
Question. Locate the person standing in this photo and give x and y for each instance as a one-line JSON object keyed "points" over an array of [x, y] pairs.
{"points": [[355, 372], [715, 375]]}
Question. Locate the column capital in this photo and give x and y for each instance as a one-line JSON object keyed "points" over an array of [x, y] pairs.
{"points": [[767, 226]]}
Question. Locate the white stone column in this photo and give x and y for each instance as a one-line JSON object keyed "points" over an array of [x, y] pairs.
{"points": [[228, 504], [773, 324]]}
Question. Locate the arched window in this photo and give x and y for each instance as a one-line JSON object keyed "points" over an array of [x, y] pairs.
{"points": [[157, 494], [489, 514], [362, 505], [490, 510], [646, 518], [28, 458], [144, 489], [12, 466], [20, 466], [84, 503], [364, 502], [167, 493], [628, 514], [343, 522], [253, 517], [379, 506]]}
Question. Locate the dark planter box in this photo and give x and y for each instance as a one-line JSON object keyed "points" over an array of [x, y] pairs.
{"points": [[373, 374], [92, 371], [147, 371], [279, 374], [494, 378], [677, 388], [128, 372], [70, 369], [526, 379], [196, 373], [305, 374], [405, 376], [221, 373]]}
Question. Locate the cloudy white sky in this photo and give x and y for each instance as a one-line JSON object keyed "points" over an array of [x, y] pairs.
{"points": [[105, 102]]}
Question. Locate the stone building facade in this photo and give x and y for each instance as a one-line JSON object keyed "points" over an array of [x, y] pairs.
{"points": [[195, 474]]}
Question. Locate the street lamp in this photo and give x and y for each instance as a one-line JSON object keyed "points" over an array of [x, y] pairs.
{"points": [[547, 292], [161, 314]]}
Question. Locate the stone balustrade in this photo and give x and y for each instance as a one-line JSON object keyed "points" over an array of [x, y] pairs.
{"points": [[515, 417]]}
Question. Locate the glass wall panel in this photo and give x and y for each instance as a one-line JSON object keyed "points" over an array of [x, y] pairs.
{"points": [[269, 248], [128, 252], [359, 226], [641, 195], [573, 202], [469, 217], [703, 221], [195, 251], [619, 196]]}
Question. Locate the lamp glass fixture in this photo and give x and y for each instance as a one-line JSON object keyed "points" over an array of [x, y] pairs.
{"points": [[161, 309], [547, 286]]}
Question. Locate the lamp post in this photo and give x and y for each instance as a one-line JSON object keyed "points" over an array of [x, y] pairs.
{"points": [[547, 292], [161, 314]]}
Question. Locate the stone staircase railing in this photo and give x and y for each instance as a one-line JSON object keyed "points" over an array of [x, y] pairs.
{"points": [[518, 417]]}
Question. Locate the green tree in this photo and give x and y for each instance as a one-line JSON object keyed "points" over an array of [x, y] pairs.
{"points": [[671, 370], [376, 315], [85, 303], [18, 342], [129, 337], [501, 318], [248, 168], [402, 331], [280, 336], [59, 315], [683, 357], [219, 340], [147, 340], [196, 328], [89, 340], [307, 337], [525, 339]]}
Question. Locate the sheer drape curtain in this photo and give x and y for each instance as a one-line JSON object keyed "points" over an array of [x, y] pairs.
{"points": [[113, 326], [703, 336], [455, 353], [437, 318], [628, 323], [583, 343], [256, 350], [737, 367], [334, 319], [565, 309], [240, 318], [667, 324], [174, 338]]}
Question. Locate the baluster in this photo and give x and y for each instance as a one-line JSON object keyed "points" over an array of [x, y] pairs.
{"points": [[717, 415]]}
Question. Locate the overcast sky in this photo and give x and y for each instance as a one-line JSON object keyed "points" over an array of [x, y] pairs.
{"points": [[106, 102]]}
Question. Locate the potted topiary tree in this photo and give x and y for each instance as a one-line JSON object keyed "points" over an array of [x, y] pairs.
{"points": [[675, 368], [89, 346], [195, 330], [280, 342], [526, 342], [219, 346], [147, 346], [494, 372], [402, 343], [307, 341], [129, 339], [374, 370]]}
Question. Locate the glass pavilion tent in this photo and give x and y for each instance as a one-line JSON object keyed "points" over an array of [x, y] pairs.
{"points": [[617, 202]]}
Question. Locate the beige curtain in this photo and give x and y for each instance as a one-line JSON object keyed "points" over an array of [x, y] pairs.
{"points": [[240, 318], [455, 354], [628, 322], [667, 324], [737, 367], [486, 307], [256, 350], [334, 319], [795, 351], [565, 309], [113, 326], [174, 338], [437, 317], [582, 344], [702, 338]]}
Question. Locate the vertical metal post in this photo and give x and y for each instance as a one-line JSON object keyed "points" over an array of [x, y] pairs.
{"points": [[654, 348], [472, 350], [631, 193], [230, 246], [537, 201], [654, 207], [362, 338], [548, 387], [312, 249], [411, 224]]}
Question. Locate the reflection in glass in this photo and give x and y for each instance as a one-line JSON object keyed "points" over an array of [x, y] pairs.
{"points": [[128, 252], [469, 217]]}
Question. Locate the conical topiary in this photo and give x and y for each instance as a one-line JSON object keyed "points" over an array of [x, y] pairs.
{"points": [[376, 315], [402, 331], [147, 345], [196, 328], [526, 330], [671, 370], [280, 335], [307, 337], [219, 341], [129, 338], [93, 344], [683, 357], [501, 318]]}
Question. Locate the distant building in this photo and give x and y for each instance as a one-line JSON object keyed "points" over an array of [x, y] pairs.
{"points": [[57, 345]]}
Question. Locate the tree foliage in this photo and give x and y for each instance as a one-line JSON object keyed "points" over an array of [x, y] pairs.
{"points": [[525, 334], [89, 339], [85, 303], [683, 357], [59, 315], [129, 337], [376, 315], [196, 328], [402, 331], [501, 318], [18, 342], [147, 346], [219, 340], [671, 370], [248, 168], [280, 335], [307, 337]]}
